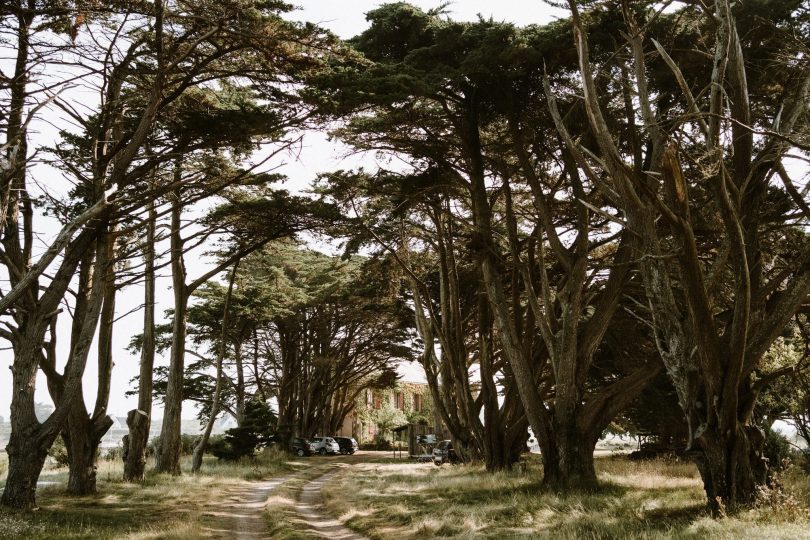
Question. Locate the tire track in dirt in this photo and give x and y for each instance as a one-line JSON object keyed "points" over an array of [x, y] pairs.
{"points": [[310, 507], [240, 515]]}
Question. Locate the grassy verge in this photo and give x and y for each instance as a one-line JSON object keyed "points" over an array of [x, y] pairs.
{"points": [[638, 500], [283, 521], [161, 507]]}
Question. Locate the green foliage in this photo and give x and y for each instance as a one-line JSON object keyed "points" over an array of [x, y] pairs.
{"points": [[58, 451], [187, 443], [386, 418], [777, 449], [114, 454], [257, 430]]}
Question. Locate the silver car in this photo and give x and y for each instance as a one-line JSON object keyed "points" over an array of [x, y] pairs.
{"points": [[325, 445]]}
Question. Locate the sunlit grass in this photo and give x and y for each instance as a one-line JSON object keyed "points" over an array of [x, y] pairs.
{"points": [[283, 521], [385, 498], [658, 499], [162, 506]]}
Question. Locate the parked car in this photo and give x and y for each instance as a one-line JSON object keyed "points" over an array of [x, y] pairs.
{"points": [[325, 445], [347, 445], [444, 453], [302, 447]]}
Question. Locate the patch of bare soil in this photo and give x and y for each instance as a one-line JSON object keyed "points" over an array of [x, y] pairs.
{"points": [[240, 515], [310, 508]]}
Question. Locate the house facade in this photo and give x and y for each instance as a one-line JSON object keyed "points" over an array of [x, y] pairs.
{"points": [[378, 411]]}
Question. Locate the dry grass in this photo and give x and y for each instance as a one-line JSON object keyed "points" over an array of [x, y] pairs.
{"points": [[283, 521], [638, 500], [162, 506], [394, 499]]}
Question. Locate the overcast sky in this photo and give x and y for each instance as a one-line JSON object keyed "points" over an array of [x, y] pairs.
{"points": [[346, 18]]}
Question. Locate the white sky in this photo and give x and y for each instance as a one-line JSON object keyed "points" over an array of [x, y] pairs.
{"points": [[317, 154]]}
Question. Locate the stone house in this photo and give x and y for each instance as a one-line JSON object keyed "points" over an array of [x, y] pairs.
{"points": [[377, 411]]}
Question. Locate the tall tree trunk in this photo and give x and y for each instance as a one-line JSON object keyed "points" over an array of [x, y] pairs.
{"points": [[83, 432], [499, 437], [139, 420], [168, 454], [240, 383], [199, 448], [26, 453]]}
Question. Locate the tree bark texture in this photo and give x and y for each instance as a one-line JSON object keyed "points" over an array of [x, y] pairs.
{"points": [[168, 452], [31, 439], [199, 448], [711, 356], [83, 432], [139, 420]]}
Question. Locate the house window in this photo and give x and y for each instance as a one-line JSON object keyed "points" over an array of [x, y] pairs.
{"points": [[417, 402], [400, 400], [377, 402]]}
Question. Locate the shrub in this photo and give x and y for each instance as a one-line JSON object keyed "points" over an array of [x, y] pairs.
{"points": [[804, 460], [58, 451], [255, 432], [378, 444], [187, 443], [777, 449], [114, 454]]}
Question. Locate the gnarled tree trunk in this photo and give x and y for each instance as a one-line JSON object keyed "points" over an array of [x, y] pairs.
{"points": [[82, 439], [26, 458], [570, 465], [83, 432], [731, 466]]}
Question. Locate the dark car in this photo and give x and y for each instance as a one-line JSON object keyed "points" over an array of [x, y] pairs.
{"points": [[302, 447], [444, 453], [347, 445]]}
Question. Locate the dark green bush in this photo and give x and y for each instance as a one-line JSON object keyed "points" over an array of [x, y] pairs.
{"points": [[377, 445], [256, 431], [114, 454], [777, 449], [58, 451], [187, 443]]}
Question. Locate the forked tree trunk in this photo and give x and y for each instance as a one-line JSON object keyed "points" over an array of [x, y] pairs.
{"points": [[82, 445], [83, 432], [30, 440]]}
